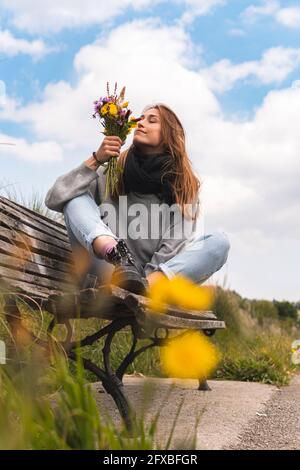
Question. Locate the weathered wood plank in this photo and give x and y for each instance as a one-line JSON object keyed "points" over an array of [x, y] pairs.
{"points": [[14, 251], [134, 301], [149, 320], [48, 223], [13, 275], [15, 223], [25, 288], [88, 303], [29, 267], [31, 244]]}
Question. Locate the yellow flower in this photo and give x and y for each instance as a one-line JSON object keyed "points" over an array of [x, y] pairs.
{"points": [[181, 292], [113, 109], [104, 109], [109, 108], [124, 105], [190, 356]]}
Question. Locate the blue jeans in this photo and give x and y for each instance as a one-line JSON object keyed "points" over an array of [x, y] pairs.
{"points": [[197, 261]]}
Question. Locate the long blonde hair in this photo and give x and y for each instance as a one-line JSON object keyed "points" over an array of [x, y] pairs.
{"points": [[186, 185]]}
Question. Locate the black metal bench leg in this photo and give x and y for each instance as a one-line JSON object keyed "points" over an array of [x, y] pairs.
{"points": [[203, 386], [114, 387]]}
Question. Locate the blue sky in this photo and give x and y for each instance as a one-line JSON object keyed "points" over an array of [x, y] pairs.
{"points": [[239, 62]]}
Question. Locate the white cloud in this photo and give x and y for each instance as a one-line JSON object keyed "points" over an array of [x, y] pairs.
{"points": [[197, 8], [12, 46], [53, 15], [142, 60], [267, 7], [286, 16], [38, 152], [289, 17], [262, 155], [274, 66]]}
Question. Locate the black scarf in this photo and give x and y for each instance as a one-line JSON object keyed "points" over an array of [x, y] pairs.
{"points": [[143, 174]]}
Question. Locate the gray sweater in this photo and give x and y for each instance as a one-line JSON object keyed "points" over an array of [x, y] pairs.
{"points": [[149, 252]]}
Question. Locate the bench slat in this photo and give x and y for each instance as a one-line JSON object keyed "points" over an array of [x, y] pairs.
{"points": [[35, 219], [12, 222], [25, 288], [14, 251], [33, 244], [26, 266], [134, 301], [36, 215], [149, 320], [12, 275], [94, 303]]}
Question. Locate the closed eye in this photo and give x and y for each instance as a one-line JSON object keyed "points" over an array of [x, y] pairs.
{"points": [[152, 118]]}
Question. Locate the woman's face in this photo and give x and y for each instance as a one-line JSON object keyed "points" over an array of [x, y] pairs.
{"points": [[147, 135]]}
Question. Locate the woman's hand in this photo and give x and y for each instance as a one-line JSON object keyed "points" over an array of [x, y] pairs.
{"points": [[110, 147]]}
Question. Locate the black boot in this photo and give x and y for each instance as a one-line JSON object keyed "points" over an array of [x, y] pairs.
{"points": [[126, 274]]}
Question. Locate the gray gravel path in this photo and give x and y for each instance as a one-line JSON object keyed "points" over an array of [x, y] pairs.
{"points": [[224, 412], [277, 427]]}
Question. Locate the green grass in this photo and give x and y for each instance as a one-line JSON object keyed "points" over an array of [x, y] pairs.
{"points": [[254, 349], [264, 359], [45, 406]]}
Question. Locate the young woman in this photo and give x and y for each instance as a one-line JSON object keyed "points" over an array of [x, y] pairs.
{"points": [[156, 179]]}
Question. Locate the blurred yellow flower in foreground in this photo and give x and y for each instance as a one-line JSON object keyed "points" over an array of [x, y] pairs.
{"points": [[181, 292], [190, 356]]}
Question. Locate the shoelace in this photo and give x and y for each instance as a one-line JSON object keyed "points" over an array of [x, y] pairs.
{"points": [[114, 254], [124, 251]]}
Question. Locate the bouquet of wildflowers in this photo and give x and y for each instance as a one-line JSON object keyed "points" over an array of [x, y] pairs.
{"points": [[114, 116]]}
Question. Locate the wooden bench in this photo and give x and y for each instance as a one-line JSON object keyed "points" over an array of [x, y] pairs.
{"points": [[37, 265]]}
